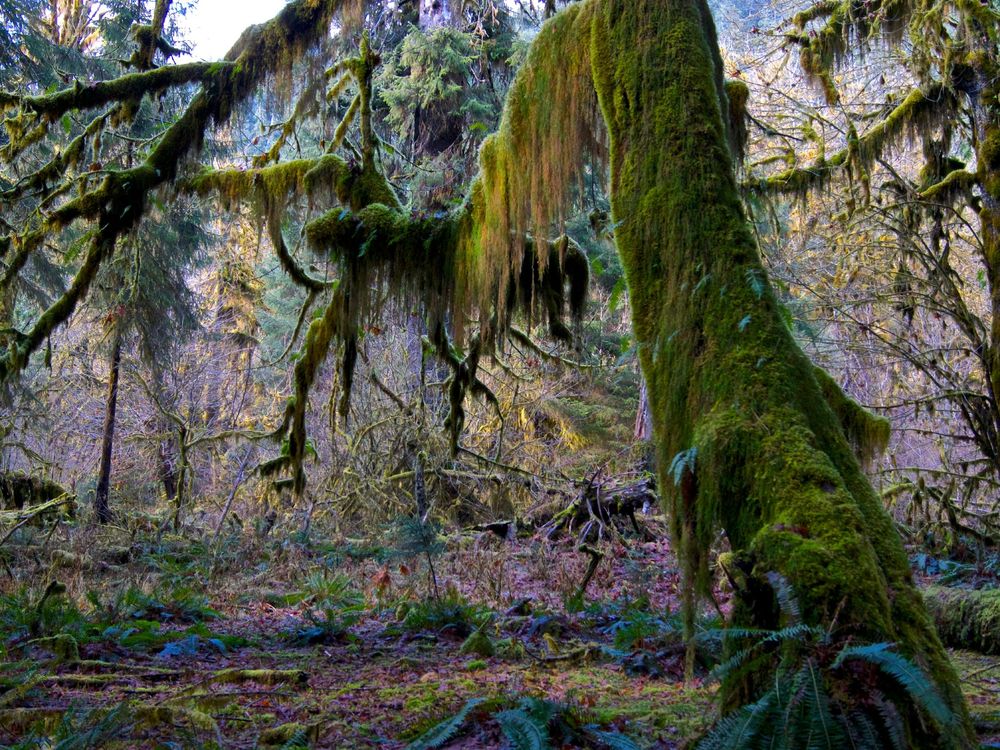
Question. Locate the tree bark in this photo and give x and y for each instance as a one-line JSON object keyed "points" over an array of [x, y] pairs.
{"points": [[751, 438], [102, 509]]}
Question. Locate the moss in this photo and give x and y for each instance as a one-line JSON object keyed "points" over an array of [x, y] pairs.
{"points": [[63, 646], [919, 111], [132, 85], [266, 50], [287, 734], [867, 433], [261, 676], [478, 643], [737, 96], [772, 465], [965, 618]]}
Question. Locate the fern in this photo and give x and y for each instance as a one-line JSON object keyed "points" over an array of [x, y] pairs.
{"points": [[892, 722], [444, 731], [756, 282], [801, 633], [683, 461], [542, 711], [523, 731], [610, 740], [741, 728], [298, 740], [862, 732], [908, 675], [788, 603], [530, 724], [812, 701]]}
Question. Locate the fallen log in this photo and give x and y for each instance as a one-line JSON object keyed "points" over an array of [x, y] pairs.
{"points": [[966, 618], [598, 505], [20, 491]]}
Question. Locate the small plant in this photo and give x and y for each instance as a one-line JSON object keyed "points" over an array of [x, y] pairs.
{"points": [[332, 605], [25, 616], [174, 603], [528, 723], [417, 538], [147, 636], [449, 613], [80, 730]]}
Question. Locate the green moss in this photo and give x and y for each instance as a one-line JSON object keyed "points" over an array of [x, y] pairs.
{"points": [[965, 618], [919, 111], [264, 51], [293, 734], [867, 433], [774, 468], [738, 95], [478, 643]]}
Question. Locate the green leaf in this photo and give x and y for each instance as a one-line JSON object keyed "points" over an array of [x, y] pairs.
{"points": [[522, 731], [443, 732], [909, 676], [683, 461], [616, 294]]}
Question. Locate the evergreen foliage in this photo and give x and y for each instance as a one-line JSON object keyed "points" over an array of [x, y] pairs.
{"points": [[528, 724]]}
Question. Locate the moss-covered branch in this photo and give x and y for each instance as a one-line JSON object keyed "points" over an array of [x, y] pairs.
{"points": [[919, 110], [130, 86], [119, 202]]}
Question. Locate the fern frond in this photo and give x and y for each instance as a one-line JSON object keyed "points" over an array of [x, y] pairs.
{"points": [[862, 732], [683, 462], [907, 674], [741, 728], [825, 732], [522, 730], [298, 740], [800, 632], [610, 740], [788, 603], [444, 731], [540, 710], [892, 722]]}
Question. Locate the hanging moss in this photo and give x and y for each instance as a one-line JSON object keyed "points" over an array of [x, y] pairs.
{"points": [[267, 50], [123, 88], [867, 433], [738, 412], [920, 111]]}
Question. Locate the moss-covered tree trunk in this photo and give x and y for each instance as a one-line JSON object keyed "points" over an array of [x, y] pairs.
{"points": [[985, 98], [752, 439]]}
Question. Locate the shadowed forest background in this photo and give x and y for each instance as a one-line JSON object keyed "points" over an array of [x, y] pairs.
{"points": [[323, 419]]}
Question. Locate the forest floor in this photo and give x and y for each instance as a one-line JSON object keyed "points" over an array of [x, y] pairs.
{"points": [[181, 644]]}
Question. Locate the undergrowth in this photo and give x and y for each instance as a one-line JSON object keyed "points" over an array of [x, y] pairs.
{"points": [[527, 723]]}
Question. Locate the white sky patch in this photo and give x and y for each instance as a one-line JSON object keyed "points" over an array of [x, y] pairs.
{"points": [[215, 25]]}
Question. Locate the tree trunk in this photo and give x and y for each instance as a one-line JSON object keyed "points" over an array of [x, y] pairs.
{"points": [[102, 509], [643, 419], [751, 438], [986, 120]]}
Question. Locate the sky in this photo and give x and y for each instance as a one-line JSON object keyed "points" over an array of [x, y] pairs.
{"points": [[216, 24]]}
